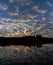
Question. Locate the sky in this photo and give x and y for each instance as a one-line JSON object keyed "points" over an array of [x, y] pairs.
{"points": [[26, 17]]}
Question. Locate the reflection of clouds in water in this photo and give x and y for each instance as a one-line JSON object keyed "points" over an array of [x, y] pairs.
{"points": [[27, 54]]}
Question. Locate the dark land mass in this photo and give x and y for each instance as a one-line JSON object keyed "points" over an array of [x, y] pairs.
{"points": [[25, 41]]}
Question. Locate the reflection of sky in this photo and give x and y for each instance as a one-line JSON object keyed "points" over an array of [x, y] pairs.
{"points": [[28, 16], [26, 54]]}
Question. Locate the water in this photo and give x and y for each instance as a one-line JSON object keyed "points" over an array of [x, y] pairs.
{"points": [[18, 55]]}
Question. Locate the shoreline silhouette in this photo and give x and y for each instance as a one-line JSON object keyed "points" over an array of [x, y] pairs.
{"points": [[25, 41]]}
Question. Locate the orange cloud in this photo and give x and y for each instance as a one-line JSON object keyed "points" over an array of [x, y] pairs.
{"points": [[32, 16], [21, 20]]}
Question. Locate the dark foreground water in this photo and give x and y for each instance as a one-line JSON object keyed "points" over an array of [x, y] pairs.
{"points": [[23, 55]]}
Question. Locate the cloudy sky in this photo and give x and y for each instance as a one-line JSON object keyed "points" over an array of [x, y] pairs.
{"points": [[26, 17]]}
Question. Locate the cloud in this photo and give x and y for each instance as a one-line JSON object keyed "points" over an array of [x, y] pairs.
{"points": [[6, 20], [16, 11], [22, 2], [14, 14], [21, 20], [3, 7], [17, 8], [51, 22], [41, 11], [44, 18], [26, 32], [36, 20], [1, 26], [51, 13], [26, 3], [51, 18], [35, 7], [49, 4], [32, 16], [11, 1], [14, 20], [40, 27]]}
